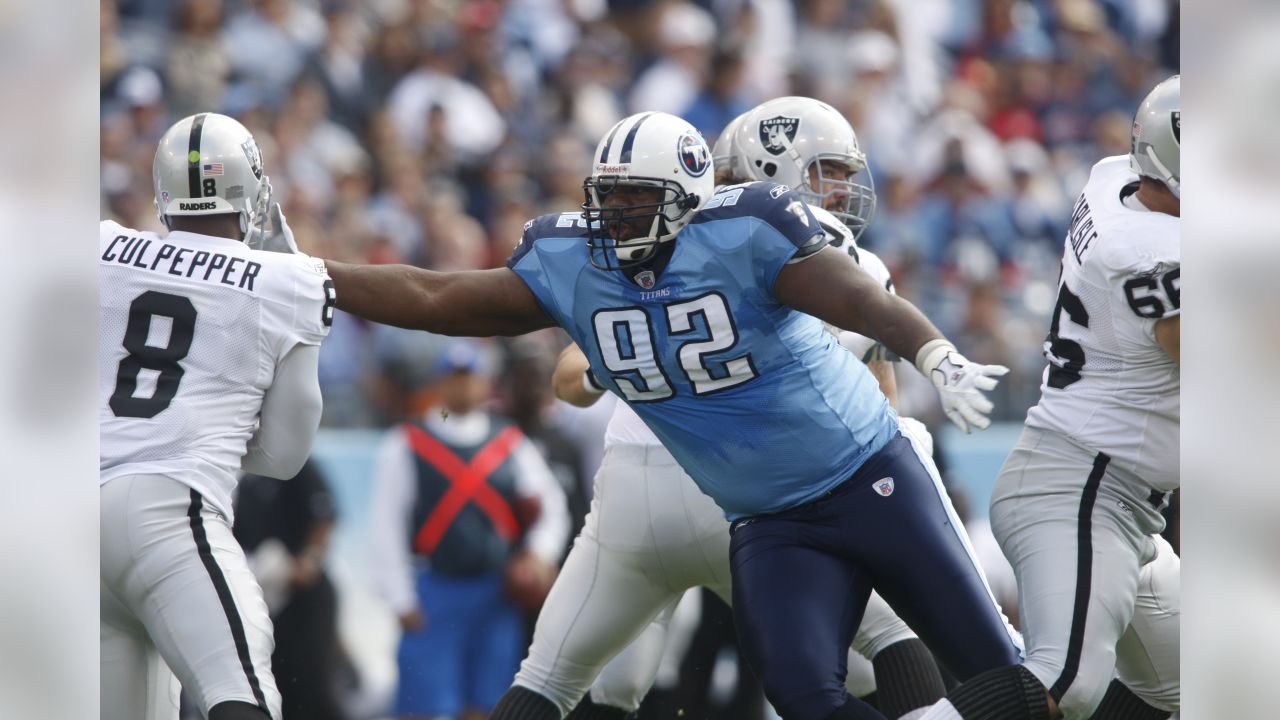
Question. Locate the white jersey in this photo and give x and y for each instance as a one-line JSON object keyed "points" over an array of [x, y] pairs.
{"points": [[192, 328], [625, 426], [1109, 386]]}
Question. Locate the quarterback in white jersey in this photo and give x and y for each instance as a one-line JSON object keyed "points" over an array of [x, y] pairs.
{"points": [[651, 533], [208, 354], [1076, 507]]}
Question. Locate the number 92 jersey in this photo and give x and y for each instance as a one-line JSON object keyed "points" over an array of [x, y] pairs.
{"points": [[757, 402], [191, 330], [1109, 386]]}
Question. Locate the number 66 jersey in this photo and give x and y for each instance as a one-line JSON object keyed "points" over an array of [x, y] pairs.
{"points": [[1109, 386], [191, 330]]}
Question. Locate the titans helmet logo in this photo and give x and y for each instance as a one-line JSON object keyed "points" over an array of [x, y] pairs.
{"points": [[777, 133], [695, 158], [1177, 126]]}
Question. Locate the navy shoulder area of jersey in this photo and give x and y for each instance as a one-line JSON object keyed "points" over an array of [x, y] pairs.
{"points": [[775, 205], [552, 225]]}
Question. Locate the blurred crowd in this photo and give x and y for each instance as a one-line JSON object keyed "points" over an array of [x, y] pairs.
{"points": [[429, 131]]}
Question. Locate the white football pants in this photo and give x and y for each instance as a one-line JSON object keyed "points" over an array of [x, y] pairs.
{"points": [[651, 534], [177, 598], [1099, 590]]}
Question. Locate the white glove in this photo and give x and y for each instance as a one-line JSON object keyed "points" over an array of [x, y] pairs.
{"points": [[960, 383], [280, 237]]}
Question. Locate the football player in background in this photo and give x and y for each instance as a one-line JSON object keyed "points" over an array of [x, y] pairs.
{"points": [[716, 339], [209, 350], [649, 521], [1076, 507]]}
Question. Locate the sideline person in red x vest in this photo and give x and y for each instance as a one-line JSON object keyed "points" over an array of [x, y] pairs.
{"points": [[468, 524]]}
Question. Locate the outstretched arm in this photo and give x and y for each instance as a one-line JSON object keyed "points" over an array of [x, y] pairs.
{"points": [[831, 287], [476, 303]]}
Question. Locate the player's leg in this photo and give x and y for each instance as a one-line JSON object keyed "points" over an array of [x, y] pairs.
{"points": [[915, 548], [796, 604], [191, 587], [621, 686], [135, 681], [906, 676], [1147, 656], [1076, 553], [601, 600]]}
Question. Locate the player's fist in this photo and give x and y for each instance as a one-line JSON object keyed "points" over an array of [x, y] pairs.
{"points": [[961, 384]]}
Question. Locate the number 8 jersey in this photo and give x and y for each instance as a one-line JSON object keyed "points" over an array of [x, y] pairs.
{"points": [[191, 329], [1109, 386]]}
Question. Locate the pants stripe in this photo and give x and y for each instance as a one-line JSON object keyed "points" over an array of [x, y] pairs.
{"points": [[225, 597], [1084, 574]]}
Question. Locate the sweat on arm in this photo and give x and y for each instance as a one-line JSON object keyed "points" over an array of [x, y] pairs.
{"points": [[476, 303]]}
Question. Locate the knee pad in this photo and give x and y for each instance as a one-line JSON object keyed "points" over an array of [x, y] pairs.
{"points": [[236, 710]]}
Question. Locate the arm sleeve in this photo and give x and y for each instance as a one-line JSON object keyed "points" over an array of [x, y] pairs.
{"points": [[547, 537], [787, 231], [289, 418], [390, 561]]}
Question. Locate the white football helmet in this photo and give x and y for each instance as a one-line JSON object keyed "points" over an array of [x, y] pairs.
{"points": [[209, 164], [647, 150], [1155, 145], [782, 139], [724, 154]]}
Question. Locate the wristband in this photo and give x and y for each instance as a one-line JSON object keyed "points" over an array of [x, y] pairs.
{"points": [[931, 354], [589, 383]]}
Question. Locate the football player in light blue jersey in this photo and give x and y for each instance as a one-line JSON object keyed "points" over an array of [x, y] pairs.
{"points": [[716, 340]]}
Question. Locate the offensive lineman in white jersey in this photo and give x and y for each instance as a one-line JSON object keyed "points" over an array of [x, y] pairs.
{"points": [[652, 534], [209, 352], [1076, 505]]}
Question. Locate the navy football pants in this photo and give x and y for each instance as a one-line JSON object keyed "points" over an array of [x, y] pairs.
{"points": [[801, 580]]}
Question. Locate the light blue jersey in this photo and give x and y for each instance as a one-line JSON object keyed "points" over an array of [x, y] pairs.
{"points": [[757, 402]]}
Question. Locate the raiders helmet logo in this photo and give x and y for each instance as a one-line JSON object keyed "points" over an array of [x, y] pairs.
{"points": [[695, 158], [646, 279], [1177, 126], [777, 133], [255, 158]]}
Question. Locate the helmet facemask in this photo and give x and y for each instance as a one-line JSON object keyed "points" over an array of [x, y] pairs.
{"points": [[624, 233], [831, 182]]}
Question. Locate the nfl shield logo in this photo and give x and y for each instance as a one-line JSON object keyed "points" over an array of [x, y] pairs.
{"points": [[884, 486], [645, 279], [777, 133]]}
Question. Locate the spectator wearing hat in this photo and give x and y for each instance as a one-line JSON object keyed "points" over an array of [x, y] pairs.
{"points": [[468, 525]]}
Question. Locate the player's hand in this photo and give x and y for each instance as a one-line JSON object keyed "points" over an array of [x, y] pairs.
{"points": [[961, 384], [280, 237], [414, 620]]}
